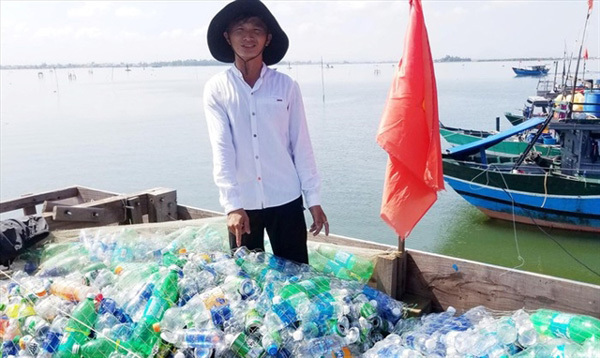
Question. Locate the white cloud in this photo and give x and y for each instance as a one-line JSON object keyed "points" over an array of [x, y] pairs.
{"points": [[172, 34], [200, 31], [88, 32], [53, 32], [128, 11], [88, 9], [125, 36]]}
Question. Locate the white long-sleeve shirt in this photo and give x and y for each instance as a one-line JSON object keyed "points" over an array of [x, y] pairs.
{"points": [[262, 155]]}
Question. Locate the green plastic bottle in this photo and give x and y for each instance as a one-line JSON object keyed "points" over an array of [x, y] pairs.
{"points": [[99, 348], [578, 328], [78, 328], [146, 334]]}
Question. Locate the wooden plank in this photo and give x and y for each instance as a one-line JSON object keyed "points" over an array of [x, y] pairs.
{"points": [[162, 205], [49, 205], [134, 210], [30, 210], [36, 199], [89, 194], [464, 284], [386, 273], [114, 213], [73, 213], [190, 213], [348, 241]]}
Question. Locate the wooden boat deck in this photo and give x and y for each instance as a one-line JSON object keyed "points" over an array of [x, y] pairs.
{"points": [[428, 281]]}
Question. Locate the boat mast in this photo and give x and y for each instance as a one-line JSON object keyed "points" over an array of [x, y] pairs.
{"points": [[579, 59]]}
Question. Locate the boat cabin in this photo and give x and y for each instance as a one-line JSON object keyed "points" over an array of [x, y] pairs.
{"points": [[579, 152]]}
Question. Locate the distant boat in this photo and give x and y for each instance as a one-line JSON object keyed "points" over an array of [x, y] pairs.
{"points": [[535, 106], [538, 70], [127, 68]]}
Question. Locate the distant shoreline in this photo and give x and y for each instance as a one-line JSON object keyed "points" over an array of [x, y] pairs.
{"points": [[183, 63]]}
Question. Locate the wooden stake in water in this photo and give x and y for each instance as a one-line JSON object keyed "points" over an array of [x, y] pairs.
{"points": [[322, 80]]}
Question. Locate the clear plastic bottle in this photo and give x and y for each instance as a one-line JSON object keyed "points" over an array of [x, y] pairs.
{"points": [[71, 290], [135, 307], [194, 338], [35, 326]]}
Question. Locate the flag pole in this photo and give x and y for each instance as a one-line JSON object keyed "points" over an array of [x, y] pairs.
{"points": [[579, 59]]}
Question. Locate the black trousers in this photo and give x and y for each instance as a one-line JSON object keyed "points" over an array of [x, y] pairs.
{"points": [[285, 226]]}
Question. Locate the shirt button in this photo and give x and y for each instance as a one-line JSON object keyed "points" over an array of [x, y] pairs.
{"points": [[253, 113], [258, 178], [255, 136], [256, 157]]}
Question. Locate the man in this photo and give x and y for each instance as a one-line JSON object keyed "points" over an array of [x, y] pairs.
{"points": [[262, 155]]}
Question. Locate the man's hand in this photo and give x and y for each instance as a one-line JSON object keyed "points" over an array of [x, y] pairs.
{"points": [[238, 224], [319, 220]]}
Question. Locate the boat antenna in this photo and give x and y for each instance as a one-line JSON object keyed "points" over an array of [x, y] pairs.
{"points": [[579, 57], [555, 73]]}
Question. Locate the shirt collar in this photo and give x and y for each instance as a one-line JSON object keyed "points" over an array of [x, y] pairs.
{"points": [[238, 73]]}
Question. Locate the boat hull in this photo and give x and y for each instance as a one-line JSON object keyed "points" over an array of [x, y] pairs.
{"points": [[530, 72], [505, 147], [538, 199], [514, 119]]}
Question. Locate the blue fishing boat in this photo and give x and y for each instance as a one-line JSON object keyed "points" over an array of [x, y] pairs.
{"points": [[537, 70], [533, 189]]}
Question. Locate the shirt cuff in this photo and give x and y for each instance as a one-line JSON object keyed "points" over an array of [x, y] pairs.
{"points": [[232, 206], [312, 199]]}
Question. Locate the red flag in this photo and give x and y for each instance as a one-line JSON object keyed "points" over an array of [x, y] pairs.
{"points": [[585, 54], [590, 5], [409, 133]]}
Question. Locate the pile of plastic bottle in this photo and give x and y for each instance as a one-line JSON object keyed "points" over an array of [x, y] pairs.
{"points": [[130, 293]]}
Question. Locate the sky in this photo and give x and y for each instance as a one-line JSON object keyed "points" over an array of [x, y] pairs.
{"points": [[81, 32]]}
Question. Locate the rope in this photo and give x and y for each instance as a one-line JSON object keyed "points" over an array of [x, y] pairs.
{"points": [[519, 257]]}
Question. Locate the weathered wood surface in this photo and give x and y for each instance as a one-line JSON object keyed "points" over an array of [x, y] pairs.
{"points": [[190, 213], [464, 284], [90, 194], [78, 214], [31, 200], [162, 205]]}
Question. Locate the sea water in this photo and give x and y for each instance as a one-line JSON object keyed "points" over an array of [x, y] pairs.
{"points": [[127, 131]]}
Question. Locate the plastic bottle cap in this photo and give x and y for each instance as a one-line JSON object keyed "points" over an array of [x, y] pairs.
{"points": [[272, 350], [156, 327], [90, 296], [182, 250], [298, 335], [118, 270]]}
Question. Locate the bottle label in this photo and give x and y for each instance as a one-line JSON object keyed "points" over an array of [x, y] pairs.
{"points": [[343, 258], [342, 353], [560, 324]]}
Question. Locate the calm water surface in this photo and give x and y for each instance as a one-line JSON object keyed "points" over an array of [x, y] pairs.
{"points": [[129, 131]]}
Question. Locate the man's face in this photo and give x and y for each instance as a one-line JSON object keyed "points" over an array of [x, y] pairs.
{"points": [[248, 37]]}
